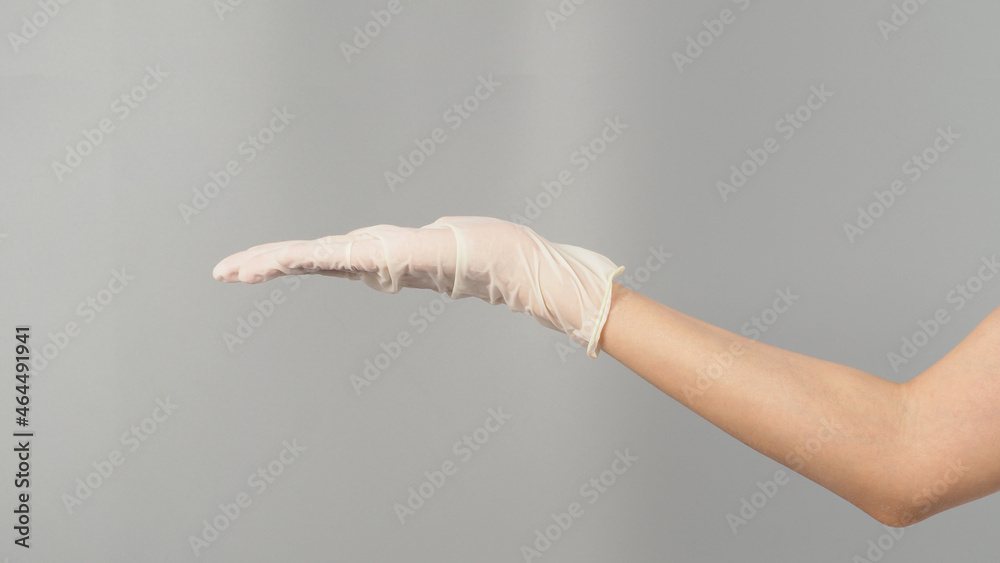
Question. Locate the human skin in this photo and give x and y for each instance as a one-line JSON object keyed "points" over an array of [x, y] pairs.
{"points": [[901, 452]]}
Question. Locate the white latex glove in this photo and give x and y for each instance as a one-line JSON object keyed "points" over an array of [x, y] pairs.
{"points": [[563, 287]]}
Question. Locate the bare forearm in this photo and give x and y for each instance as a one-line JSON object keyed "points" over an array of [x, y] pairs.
{"points": [[833, 424]]}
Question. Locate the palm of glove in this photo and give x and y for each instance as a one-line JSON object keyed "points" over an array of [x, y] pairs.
{"points": [[564, 287]]}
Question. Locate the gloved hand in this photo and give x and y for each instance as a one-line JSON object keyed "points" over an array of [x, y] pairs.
{"points": [[563, 287]]}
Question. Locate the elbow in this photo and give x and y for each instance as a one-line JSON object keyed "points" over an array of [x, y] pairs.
{"points": [[908, 485], [903, 511], [895, 514], [888, 501], [906, 498], [896, 505]]}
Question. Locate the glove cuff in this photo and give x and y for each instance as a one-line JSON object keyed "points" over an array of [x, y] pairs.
{"points": [[602, 317]]}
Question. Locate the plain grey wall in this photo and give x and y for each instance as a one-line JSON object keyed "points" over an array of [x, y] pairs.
{"points": [[214, 77]]}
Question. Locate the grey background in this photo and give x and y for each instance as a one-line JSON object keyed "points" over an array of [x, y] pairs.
{"points": [[163, 336]]}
